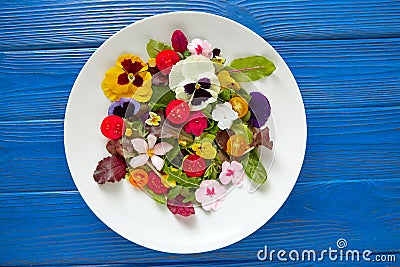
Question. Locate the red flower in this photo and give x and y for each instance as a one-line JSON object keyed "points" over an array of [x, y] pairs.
{"points": [[197, 123]]}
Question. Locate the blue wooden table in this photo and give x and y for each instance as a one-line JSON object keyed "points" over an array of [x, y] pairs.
{"points": [[345, 56]]}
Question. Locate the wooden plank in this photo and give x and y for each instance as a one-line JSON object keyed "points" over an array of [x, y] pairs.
{"points": [[50, 24], [58, 228], [330, 74], [356, 144]]}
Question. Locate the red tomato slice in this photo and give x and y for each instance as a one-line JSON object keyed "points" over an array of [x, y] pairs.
{"points": [[165, 60], [138, 177], [177, 111], [194, 166], [112, 127], [155, 184]]}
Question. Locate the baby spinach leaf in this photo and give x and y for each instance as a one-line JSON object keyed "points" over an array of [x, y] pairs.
{"points": [[251, 68], [154, 47], [254, 168]]}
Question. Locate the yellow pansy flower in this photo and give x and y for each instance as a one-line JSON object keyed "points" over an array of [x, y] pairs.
{"points": [[129, 78], [204, 150]]}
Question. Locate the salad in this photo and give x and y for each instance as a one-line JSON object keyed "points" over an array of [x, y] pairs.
{"points": [[180, 125]]}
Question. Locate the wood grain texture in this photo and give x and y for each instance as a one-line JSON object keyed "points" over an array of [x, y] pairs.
{"points": [[58, 228], [351, 145], [330, 74], [72, 23]]}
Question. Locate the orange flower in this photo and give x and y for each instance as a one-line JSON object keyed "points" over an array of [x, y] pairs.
{"points": [[129, 78]]}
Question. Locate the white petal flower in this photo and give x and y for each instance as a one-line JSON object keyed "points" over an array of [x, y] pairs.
{"points": [[193, 80], [225, 115]]}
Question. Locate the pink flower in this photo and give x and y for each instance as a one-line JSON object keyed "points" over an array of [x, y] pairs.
{"points": [[200, 47], [149, 150], [232, 172], [197, 123], [210, 194]]}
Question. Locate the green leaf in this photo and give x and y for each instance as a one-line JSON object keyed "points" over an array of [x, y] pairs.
{"points": [[225, 95], [251, 68], [174, 152], [161, 97], [181, 178], [158, 198], [243, 130], [154, 47], [254, 168], [174, 192]]}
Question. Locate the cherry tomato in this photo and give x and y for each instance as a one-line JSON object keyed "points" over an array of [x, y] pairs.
{"points": [[155, 184], [236, 145], [239, 105], [165, 60], [112, 127], [194, 166], [177, 111], [138, 177]]}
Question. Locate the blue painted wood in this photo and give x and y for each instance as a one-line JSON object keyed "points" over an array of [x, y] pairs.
{"points": [[330, 74], [71, 23], [352, 144], [345, 56], [58, 228]]}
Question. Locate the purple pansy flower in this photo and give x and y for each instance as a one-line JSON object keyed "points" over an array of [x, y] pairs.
{"points": [[123, 105]]}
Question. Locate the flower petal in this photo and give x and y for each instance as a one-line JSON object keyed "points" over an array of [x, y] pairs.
{"points": [[157, 162], [139, 160], [194, 65], [162, 148], [152, 140], [140, 145]]}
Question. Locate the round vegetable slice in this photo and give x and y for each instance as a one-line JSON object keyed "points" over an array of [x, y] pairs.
{"points": [[138, 177], [177, 111], [239, 105], [165, 60], [155, 184], [236, 145], [194, 166], [112, 127]]}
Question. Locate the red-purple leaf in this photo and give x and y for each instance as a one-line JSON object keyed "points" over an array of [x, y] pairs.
{"points": [[177, 206], [110, 169], [115, 147], [179, 41], [261, 138]]}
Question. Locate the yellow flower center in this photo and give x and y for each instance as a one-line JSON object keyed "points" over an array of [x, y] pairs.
{"points": [[197, 86], [150, 152], [131, 77]]}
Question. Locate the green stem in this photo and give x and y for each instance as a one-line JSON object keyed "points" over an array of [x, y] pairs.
{"points": [[151, 166]]}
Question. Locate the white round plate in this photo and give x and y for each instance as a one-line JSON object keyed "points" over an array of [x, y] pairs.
{"points": [[130, 212]]}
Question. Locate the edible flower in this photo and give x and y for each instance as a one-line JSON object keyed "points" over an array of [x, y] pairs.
{"points": [[225, 115], [205, 149], [194, 81], [227, 81], [200, 47], [153, 120], [197, 123], [123, 105], [232, 172], [129, 78], [260, 109], [210, 194], [149, 150]]}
